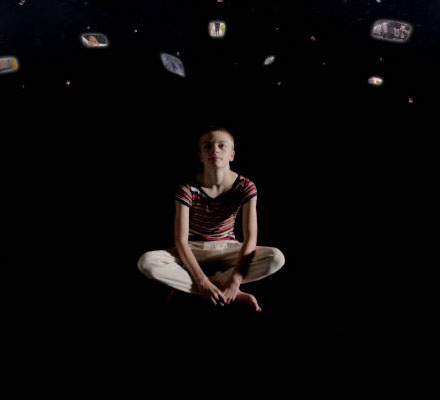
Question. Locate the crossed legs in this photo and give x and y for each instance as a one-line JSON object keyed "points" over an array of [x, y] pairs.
{"points": [[217, 261]]}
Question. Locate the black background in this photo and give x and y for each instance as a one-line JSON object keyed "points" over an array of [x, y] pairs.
{"points": [[91, 167]]}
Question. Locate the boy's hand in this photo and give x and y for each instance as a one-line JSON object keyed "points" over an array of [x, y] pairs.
{"points": [[210, 291], [230, 290]]}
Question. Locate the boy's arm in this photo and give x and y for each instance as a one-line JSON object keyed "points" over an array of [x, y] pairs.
{"points": [[250, 233], [181, 230]]}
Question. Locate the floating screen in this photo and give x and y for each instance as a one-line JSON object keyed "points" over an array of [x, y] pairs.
{"points": [[94, 40], [269, 60], [8, 64], [172, 64], [217, 29], [375, 81], [392, 31]]}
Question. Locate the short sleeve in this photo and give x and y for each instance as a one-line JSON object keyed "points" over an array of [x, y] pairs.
{"points": [[184, 195], [249, 190]]}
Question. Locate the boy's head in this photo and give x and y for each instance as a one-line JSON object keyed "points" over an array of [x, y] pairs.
{"points": [[93, 41], [216, 147]]}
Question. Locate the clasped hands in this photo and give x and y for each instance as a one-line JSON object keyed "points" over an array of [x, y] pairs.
{"points": [[225, 294]]}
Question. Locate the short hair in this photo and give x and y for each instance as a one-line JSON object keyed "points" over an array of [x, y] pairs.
{"points": [[214, 128]]}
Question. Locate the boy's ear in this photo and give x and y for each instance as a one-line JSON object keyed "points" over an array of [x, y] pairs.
{"points": [[232, 155]]}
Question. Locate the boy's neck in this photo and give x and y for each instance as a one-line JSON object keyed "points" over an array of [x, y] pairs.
{"points": [[217, 177]]}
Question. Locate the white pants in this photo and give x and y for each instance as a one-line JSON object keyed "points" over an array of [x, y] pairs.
{"points": [[216, 258]]}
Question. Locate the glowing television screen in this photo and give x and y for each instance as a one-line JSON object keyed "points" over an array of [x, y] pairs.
{"points": [[375, 81], [392, 31], [8, 64], [269, 60], [217, 29], [93, 40], [172, 64]]}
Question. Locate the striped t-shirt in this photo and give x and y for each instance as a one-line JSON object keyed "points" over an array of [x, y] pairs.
{"points": [[214, 219]]}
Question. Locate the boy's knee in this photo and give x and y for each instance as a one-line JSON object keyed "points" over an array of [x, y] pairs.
{"points": [[146, 264], [277, 259]]}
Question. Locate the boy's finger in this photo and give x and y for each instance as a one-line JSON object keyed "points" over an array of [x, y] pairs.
{"points": [[222, 295]]}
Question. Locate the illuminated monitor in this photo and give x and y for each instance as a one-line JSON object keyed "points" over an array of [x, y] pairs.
{"points": [[217, 29], [8, 64], [375, 81], [94, 40], [269, 60], [392, 31], [172, 64]]}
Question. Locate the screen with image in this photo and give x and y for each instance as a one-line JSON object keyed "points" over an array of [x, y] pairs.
{"points": [[390, 30], [8, 64], [217, 29], [172, 64], [94, 40]]}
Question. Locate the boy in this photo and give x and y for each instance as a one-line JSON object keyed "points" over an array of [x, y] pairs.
{"points": [[207, 259]]}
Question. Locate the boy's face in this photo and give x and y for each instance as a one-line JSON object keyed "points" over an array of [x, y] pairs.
{"points": [[93, 41], [216, 149]]}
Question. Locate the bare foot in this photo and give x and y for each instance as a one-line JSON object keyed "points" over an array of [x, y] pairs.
{"points": [[248, 298]]}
